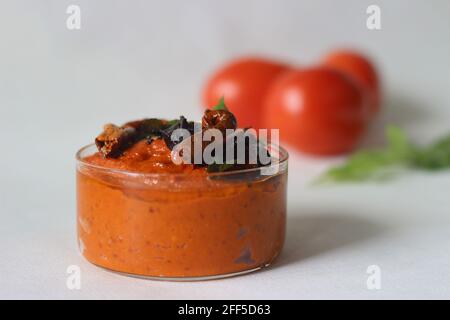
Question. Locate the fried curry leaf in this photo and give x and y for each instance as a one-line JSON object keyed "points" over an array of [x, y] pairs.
{"points": [[181, 123], [150, 128]]}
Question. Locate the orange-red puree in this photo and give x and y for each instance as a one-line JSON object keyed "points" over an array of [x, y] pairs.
{"points": [[149, 216]]}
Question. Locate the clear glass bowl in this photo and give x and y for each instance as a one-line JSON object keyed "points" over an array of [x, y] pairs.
{"points": [[181, 226]]}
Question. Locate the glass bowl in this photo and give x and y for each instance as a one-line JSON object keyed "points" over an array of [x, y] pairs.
{"points": [[181, 226]]}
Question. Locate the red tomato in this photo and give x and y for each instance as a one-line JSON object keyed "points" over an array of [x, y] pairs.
{"points": [[319, 110], [362, 69], [243, 83]]}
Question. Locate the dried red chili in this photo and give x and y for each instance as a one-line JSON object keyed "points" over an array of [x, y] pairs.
{"points": [[219, 119], [114, 140]]}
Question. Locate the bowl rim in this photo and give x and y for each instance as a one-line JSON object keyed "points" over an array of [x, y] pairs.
{"points": [[280, 163]]}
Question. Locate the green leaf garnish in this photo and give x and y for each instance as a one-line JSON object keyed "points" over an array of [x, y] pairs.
{"points": [[172, 122], [221, 105], [219, 167], [399, 152], [433, 157]]}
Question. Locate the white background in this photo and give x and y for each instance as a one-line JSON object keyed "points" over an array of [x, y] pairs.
{"points": [[136, 59]]}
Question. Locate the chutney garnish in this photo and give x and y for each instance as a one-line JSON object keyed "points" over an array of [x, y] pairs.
{"points": [[114, 140], [182, 123]]}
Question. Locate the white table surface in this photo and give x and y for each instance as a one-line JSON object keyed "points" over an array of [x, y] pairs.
{"points": [[149, 58]]}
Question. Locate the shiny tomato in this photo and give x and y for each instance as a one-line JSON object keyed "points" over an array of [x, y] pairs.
{"points": [[362, 69], [243, 83], [319, 110]]}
